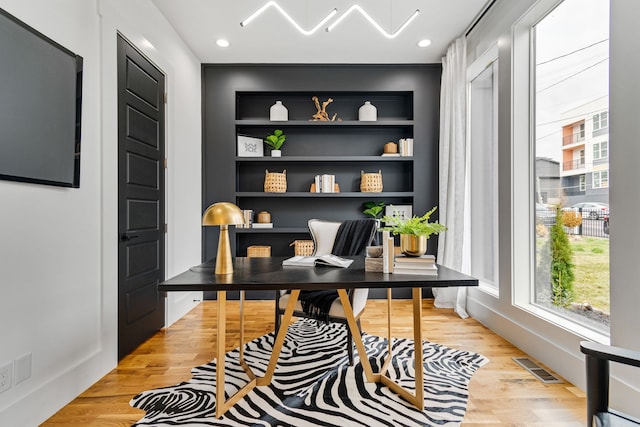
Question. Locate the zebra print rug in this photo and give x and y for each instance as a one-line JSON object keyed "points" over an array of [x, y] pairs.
{"points": [[314, 385]]}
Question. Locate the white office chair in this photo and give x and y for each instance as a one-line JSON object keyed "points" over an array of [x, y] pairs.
{"points": [[324, 234]]}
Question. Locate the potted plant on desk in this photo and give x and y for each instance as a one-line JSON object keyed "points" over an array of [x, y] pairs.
{"points": [[374, 210], [413, 231], [275, 141]]}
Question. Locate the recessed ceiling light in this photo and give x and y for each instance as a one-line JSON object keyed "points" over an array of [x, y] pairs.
{"points": [[147, 44], [222, 43], [424, 43]]}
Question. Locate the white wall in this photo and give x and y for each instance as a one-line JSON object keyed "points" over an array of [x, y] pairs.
{"points": [[554, 346], [58, 253]]}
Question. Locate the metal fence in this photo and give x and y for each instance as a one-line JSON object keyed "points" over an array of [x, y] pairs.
{"points": [[595, 223], [591, 228]]}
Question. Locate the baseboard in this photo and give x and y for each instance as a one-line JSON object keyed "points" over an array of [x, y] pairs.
{"points": [[34, 407]]}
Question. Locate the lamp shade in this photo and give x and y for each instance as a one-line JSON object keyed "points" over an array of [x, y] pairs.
{"points": [[223, 213]]}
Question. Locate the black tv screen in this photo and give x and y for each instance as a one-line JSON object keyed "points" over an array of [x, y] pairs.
{"points": [[40, 107]]}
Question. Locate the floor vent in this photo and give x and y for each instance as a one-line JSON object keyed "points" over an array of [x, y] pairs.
{"points": [[538, 372]]}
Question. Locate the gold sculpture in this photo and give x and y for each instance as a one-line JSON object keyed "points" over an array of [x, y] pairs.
{"points": [[322, 115]]}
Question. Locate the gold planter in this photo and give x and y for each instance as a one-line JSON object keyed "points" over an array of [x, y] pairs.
{"points": [[412, 245]]}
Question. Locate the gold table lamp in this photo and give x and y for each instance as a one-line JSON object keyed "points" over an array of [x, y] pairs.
{"points": [[223, 214]]}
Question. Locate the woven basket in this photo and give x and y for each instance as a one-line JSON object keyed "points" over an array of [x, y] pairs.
{"points": [[371, 182], [275, 182], [257, 251], [302, 247]]}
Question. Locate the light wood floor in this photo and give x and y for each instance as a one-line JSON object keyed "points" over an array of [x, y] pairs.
{"points": [[501, 393]]}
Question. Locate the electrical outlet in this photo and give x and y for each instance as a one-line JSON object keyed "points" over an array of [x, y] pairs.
{"points": [[6, 376], [22, 368]]}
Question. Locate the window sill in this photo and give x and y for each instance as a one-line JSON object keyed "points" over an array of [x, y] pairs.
{"points": [[568, 325]]}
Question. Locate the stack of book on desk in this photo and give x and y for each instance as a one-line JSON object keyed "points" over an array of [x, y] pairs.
{"points": [[425, 264]]}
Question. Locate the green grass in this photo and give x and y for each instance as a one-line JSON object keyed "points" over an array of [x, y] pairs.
{"points": [[591, 260]]}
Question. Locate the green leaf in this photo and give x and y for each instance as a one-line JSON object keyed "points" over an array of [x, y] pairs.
{"points": [[276, 139], [417, 225]]}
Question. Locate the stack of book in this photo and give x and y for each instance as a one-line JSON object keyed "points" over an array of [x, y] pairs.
{"points": [[325, 184], [247, 214], [262, 225], [425, 264], [405, 146]]}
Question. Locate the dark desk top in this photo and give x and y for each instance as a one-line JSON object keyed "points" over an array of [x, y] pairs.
{"points": [[268, 274]]}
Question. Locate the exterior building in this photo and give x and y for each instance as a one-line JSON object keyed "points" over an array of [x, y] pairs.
{"points": [[548, 186], [585, 153]]}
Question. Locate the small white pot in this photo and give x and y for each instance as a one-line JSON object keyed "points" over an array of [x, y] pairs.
{"points": [[368, 112], [278, 112], [276, 153]]}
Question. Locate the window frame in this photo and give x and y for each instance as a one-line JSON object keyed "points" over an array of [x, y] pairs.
{"points": [[599, 174], [522, 177], [598, 148], [487, 59], [598, 120]]}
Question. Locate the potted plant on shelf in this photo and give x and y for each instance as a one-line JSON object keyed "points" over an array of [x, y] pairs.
{"points": [[275, 141], [413, 231]]}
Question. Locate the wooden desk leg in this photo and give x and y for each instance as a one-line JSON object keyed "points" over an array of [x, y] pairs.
{"points": [[279, 340], [417, 346], [357, 337], [241, 348], [223, 405], [244, 365], [418, 399], [385, 365], [220, 350]]}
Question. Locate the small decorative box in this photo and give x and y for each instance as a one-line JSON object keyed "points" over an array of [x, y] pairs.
{"points": [[257, 251]]}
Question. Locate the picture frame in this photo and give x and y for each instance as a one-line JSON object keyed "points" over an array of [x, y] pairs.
{"points": [[250, 147], [400, 211]]}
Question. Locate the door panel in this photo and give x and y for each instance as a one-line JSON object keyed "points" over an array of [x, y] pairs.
{"points": [[142, 128], [143, 214], [140, 198]]}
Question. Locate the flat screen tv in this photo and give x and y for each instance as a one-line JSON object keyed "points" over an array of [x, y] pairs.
{"points": [[40, 107]]}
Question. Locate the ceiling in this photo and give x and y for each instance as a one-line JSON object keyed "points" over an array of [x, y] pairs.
{"points": [[270, 38]]}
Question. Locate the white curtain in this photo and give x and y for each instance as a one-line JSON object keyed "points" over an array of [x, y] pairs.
{"points": [[452, 172]]}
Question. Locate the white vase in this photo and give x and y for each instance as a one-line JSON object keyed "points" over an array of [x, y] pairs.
{"points": [[276, 153], [278, 112], [368, 112]]}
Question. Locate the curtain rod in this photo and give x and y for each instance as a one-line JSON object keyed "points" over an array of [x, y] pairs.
{"points": [[479, 16]]}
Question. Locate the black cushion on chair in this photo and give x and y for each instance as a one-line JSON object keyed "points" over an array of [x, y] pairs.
{"points": [[351, 240]]}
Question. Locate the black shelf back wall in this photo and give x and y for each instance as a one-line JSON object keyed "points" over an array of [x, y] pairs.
{"points": [[235, 95]]}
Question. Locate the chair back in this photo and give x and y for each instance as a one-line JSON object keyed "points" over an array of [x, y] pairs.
{"points": [[323, 234]]}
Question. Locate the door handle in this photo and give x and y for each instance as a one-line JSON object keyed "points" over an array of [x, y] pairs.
{"points": [[125, 237]]}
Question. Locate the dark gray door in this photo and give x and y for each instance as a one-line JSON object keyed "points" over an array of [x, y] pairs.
{"points": [[140, 198]]}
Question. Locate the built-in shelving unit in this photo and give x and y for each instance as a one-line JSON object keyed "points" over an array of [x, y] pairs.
{"points": [[342, 148]]}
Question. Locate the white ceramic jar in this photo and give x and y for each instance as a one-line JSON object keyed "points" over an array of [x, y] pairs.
{"points": [[278, 112], [368, 112]]}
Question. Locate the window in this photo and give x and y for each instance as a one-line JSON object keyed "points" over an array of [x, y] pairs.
{"points": [[600, 121], [600, 150], [481, 242], [560, 68], [601, 179], [578, 133]]}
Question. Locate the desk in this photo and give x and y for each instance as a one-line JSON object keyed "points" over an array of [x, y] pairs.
{"points": [[269, 274]]}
